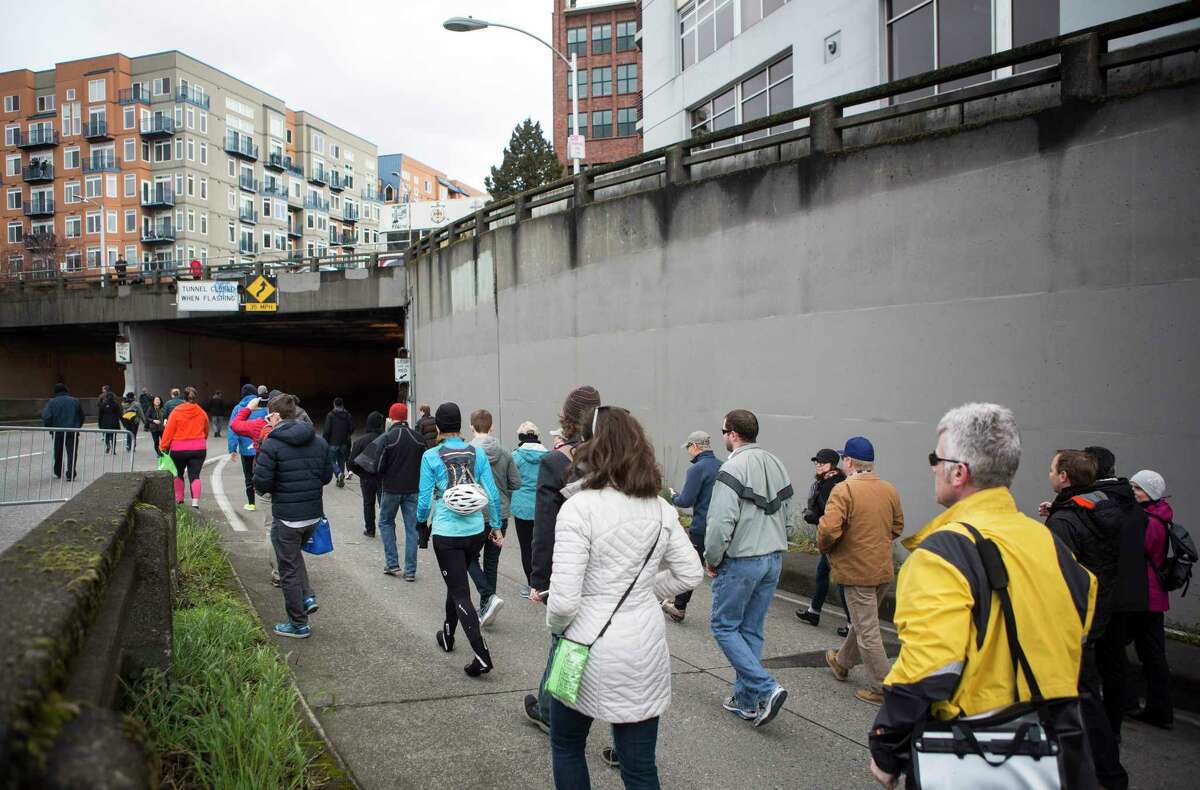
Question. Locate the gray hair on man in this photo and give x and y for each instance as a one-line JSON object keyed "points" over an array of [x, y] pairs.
{"points": [[983, 436]]}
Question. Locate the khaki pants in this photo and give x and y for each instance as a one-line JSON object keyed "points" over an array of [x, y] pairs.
{"points": [[864, 643]]}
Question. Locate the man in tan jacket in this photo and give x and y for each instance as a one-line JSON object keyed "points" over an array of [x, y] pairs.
{"points": [[861, 520]]}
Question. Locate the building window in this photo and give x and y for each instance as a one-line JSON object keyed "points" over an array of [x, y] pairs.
{"points": [[11, 135], [93, 223], [92, 186], [204, 223], [96, 90], [130, 152], [130, 185], [576, 42], [602, 123], [45, 103], [14, 199], [130, 117], [12, 103], [161, 86], [601, 39], [581, 81], [203, 188], [627, 78], [626, 121], [71, 192], [203, 122], [71, 119], [705, 27], [15, 232], [763, 93], [130, 220], [112, 222], [582, 126], [71, 226], [203, 153], [625, 35], [602, 81]]}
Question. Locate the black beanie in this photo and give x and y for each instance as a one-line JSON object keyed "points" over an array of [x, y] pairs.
{"points": [[248, 389], [448, 418]]}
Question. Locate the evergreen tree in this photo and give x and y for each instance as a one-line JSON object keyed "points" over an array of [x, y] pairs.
{"points": [[529, 161]]}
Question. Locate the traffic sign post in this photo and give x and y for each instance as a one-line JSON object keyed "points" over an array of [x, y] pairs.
{"points": [[261, 295], [403, 370]]}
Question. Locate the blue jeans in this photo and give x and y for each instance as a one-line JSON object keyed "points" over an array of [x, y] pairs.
{"points": [[388, 506], [822, 589], [338, 454], [635, 745], [741, 596]]}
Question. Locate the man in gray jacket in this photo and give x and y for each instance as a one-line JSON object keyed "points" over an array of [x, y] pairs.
{"points": [[508, 479], [743, 547]]}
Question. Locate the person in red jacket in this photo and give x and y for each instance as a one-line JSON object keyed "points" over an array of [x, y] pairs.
{"points": [[186, 439], [1146, 628]]}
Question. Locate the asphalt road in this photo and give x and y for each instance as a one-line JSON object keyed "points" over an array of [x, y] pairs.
{"points": [[403, 714]]}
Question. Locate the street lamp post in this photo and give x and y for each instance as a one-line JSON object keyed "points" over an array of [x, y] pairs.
{"points": [[103, 248], [465, 24]]}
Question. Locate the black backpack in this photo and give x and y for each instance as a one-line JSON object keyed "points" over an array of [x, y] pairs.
{"points": [[1177, 570], [460, 464]]}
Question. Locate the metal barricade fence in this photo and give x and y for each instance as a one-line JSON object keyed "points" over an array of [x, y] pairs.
{"points": [[44, 465]]}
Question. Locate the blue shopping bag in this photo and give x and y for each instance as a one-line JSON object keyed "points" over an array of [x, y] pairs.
{"points": [[321, 539]]}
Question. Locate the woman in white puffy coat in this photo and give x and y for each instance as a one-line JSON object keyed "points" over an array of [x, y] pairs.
{"points": [[612, 521]]}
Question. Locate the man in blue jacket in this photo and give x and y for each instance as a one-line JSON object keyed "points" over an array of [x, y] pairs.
{"points": [[243, 446], [63, 411], [697, 490]]}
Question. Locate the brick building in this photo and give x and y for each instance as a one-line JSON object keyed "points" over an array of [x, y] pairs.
{"points": [[603, 34]]}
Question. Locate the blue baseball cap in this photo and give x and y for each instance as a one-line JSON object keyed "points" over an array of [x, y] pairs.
{"points": [[859, 448]]}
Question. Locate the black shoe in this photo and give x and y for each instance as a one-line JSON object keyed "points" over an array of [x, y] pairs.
{"points": [[392, 571], [1153, 719], [480, 665], [341, 481], [368, 534], [534, 713], [445, 639], [609, 755], [843, 631], [809, 616]]}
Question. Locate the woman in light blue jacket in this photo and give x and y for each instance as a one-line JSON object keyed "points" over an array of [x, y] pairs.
{"points": [[527, 457]]}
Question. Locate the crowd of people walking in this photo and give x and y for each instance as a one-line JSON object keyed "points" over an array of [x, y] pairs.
{"points": [[603, 547]]}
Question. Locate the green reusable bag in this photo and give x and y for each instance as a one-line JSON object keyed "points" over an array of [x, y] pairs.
{"points": [[165, 464], [570, 657]]}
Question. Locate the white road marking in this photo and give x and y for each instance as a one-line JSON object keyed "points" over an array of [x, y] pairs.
{"points": [[218, 488], [22, 455]]}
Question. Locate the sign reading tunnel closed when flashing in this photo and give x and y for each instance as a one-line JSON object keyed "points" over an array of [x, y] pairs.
{"points": [[261, 295]]}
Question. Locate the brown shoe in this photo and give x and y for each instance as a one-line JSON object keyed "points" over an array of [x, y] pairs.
{"points": [[866, 695], [840, 672]]}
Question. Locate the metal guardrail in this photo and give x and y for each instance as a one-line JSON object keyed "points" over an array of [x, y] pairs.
{"points": [[44, 465], [1082, 67]]}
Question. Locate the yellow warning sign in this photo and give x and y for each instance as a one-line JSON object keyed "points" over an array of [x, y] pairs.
{"points": [[261, 295]]}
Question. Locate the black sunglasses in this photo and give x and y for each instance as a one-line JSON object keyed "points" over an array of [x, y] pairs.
{"points": [[934, 460]]}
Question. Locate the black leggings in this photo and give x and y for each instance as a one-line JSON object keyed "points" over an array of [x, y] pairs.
{"points": [[190, 460], [248, 476], [453, 556], [525, 538]]}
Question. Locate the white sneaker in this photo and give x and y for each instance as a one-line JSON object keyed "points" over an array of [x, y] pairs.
{"points": [[489, 613], [196, 504]]}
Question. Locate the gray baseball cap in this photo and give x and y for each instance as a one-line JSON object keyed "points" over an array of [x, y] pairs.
{"points": [[700, 438]]}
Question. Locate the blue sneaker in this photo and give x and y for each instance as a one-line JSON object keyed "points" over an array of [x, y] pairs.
{"points": [[293, 631], [732, 706], [310, 604]]}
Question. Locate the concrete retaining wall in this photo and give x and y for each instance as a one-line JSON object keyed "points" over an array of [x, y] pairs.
{"points": [[1048, 263]]}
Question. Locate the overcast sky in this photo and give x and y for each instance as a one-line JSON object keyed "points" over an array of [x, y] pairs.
{"points": [[387, 71]]}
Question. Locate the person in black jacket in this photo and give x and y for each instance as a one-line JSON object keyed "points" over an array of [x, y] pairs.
{"points": [[63, 411], [368, 482], [553, 474], [293, 465], [427, 426], [216, 411], [827, 475], [108, 417], [1095, 543], [399, 469], [339, 427]]}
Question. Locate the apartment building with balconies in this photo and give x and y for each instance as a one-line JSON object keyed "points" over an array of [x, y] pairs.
{"points": [[170, 160]]}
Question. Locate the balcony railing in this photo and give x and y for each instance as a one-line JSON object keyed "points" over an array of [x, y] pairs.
{"points": [[294, 169], [337, 182], [273, 187], [248, 183], [294, 230], [158, 126], [248, 247], [101, 164], [316, 203], [37, 138], [161, 196], [134, 95], [40, 242], [158, 232], [369, 193], [240, 145], [248, 214], [318, 175], [39, 207], [278, 162], [349, 213], [191, 97], [96, 130], [38, 172]]}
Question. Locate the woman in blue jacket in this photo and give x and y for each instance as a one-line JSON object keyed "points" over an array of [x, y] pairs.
{"points": [[527, 457], [458, 536], [243, 446]]}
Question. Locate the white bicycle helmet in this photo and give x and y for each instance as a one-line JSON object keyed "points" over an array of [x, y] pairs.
{"points": [[465, 498]]}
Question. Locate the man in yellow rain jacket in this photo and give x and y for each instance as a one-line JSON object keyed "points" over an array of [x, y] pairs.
{"points": [[954, 657]]}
